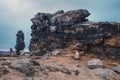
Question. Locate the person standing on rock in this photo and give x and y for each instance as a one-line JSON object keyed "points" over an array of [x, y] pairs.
{"points": [[11, 51], [20, 45]]}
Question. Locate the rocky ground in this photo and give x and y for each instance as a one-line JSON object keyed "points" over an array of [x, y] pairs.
{"points": [[62, 65], [66, 46]]}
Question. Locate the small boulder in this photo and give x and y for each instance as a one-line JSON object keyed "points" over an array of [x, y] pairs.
{"points": [[53, 28], [97, 41], [116, 69], [113, 42], [5, 62], [106, 74], [56, 52], [58, 12], [3, 70], [27, 78], [77, 55], [21, 65], [95, 63]]}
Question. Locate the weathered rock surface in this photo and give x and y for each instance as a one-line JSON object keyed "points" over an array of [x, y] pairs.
{"points": [[95, 63], [3, 70], [62, 29], [60, 67], [52, 31], [55, 52], [5, 62], [24, 66], [60, 70], [27, 78], [21, 63], [106, 74], [116, 69]]}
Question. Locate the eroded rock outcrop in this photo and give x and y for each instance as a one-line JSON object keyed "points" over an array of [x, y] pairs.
{"points": [[61, 29], [20, 45]]}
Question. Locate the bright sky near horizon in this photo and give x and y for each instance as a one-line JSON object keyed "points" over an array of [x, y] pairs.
{"points": [[16, 14]]}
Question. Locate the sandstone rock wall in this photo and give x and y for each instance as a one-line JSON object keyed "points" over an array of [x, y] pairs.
{"points": [[62, 29]]}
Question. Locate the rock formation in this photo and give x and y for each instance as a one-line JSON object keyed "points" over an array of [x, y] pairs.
{"points": [[20, 45], [62, 29], [69, 37]]}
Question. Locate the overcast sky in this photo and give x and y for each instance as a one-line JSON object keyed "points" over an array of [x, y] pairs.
{"points": [[16, 14]]}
